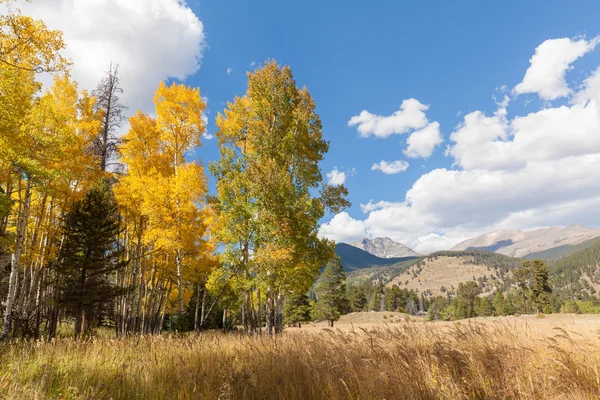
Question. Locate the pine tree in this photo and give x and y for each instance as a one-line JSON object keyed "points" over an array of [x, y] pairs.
{"points": [[484, 307], [465, 300], [357, 298], [331, 294], [89, 255], [499, 307], [297, 309], [540, 288]]}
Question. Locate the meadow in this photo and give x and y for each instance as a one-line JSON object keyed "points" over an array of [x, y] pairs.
{"points": [[400, 358]]}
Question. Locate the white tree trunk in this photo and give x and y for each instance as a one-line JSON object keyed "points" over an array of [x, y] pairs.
{"points": [[14, 267]]}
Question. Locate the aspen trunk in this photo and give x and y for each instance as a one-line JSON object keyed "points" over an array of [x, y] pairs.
{"points": [[202, 312], [180, 282], [162, 318], [259, 316], [279, 314], [197, 310], [14, 268]]}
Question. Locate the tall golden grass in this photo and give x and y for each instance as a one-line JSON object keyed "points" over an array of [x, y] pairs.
{"points": [[407, 361]]}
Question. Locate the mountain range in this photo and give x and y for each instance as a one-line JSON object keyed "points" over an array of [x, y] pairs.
{"points": [[385, 248], [545, 243], [354, 258], [573, 253]]}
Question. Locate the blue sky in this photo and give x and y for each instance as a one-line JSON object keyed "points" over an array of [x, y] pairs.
{"points": [[456, 58]]}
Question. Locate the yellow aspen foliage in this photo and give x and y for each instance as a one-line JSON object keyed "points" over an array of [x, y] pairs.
{"points": [[179, 119], [28, 44], [163, 196]]}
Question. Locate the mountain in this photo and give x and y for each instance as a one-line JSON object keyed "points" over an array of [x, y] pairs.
{"points": [[540, 242], [385, 248], [353, 258], [440, 273]]}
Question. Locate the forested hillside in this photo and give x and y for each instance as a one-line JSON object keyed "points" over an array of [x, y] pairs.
{"points": [[559, 252], [577, 276]]}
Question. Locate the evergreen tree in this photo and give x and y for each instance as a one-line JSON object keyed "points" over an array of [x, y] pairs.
{"points": [[89, 255], [297, 309], [484, 307], [499, 307], [509, 308], [331, 294], [540, 288], [357, 298], [465, 300], [390, 298]]}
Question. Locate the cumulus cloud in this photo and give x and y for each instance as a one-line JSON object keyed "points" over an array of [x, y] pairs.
{"points": [[343, 228], [551, 61], [229, 71], [151, 40], [410, 116], [421, 143], [521, 172], [390, 168], [336, 177]]}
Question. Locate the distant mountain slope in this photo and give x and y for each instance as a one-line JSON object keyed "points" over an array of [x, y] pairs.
{"points": [[385, 248], [353, 258], [518, 243], [379, 274], [577, 275], [559, 252], [441, 272]]}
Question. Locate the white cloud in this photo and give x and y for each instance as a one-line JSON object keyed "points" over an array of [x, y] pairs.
{"points": [[336, 177], [149, 39], [550, 63], [253, 63], [343, 228], [422, 142], [522, 172], [229, 71], [389, 168], [480, 141], [411, 116]]}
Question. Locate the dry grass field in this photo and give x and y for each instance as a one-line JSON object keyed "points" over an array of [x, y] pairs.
{"points": [[362, 357]]}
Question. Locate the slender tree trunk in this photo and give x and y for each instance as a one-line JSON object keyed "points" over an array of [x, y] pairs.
{"points": [[259, 322], [180, 282], [203, 308], [14, 268], [197, 310], [162, 318], [279, 314], [244, 315], [270, 313]]}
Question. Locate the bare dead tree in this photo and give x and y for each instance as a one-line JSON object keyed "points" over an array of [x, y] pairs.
{"points": [[107, 100]]}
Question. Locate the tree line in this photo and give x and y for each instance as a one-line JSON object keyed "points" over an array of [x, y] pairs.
{"points": [[104, 227]]}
